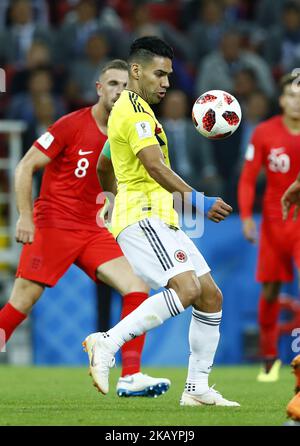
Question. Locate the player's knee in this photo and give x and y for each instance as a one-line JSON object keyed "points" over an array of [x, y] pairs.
{"points": [[189, 294], [271, 291], [136, 285], [211, 300], [271, 296], [218, 297], [194, 293]]}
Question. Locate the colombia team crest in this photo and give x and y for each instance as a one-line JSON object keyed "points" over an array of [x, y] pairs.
{"points": [[180, 256]]}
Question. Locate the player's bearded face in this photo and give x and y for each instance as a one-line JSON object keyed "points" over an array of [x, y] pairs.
{"points": [[111, 85], [290, 102], [154, 79]]}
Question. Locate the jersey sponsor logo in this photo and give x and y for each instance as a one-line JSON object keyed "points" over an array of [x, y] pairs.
{"points": [[249, 155], [144, 129], [180, 256], [46, 140], [82, 152]]}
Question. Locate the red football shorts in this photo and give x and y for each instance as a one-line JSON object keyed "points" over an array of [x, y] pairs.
{"points": [[279, 247], [55, 250]]}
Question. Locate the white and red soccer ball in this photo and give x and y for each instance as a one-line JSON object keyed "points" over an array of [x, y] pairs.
{"points": [[216, 114]]}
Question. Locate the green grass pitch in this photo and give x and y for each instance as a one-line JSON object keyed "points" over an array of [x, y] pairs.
{"points": [[55, 396]]}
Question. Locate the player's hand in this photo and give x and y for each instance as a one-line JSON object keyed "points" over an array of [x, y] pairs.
{"points": [[105, 213], [290, 197], [249, 230], [25, 229], [219, 211]]}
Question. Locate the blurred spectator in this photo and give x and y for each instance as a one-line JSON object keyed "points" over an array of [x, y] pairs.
{"points": [[38, 56], [206, 33], [166, 11], [226, 154], [257, 109], [268, 12], [85, 73], [39, 8], [44, 115], [244, 84], [142, 24], [219, 68], [40, 82], [73, 35], [240, 13], [282, 44], [106, 12], [234, 11], [17, 39], [191, 156]]}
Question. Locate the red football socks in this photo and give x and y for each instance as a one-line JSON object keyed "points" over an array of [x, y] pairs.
{"points": [[10, 318], [268, 313], [132, 350]]}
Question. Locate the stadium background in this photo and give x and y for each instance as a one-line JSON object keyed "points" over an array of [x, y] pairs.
{"points": [[51, 52]]}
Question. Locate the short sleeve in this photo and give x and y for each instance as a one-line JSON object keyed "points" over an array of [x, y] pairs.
{"points": [[254, 152], [55, 139], [106, 150], [140, 131]]}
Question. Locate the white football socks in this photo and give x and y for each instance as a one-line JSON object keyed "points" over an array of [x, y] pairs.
{"points": [[203, 338], [150, 314]]}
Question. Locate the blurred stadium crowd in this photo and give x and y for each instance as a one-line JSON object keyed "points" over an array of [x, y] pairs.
{"points": [[52, 52]]}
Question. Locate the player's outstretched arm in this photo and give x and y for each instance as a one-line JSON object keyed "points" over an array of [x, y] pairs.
{"points": [[32, 161], [290, 197], [152, 159]]}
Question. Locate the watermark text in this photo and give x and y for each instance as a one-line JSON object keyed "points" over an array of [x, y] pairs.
{"points": [[296, 342]]}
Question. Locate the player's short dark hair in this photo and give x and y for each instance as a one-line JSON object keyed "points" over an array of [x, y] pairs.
{"points": [[145, 48], [288, 79], [116, 64]]}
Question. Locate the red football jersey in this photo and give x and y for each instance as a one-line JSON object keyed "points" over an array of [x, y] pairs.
{"points": [[70, 185], [278, 151]]}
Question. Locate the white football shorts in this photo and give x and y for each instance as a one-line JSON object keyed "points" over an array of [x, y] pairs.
{"points": [[158, 252]]}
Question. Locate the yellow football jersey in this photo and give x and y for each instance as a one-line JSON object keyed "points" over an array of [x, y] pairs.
{"points": [[132, 126]]}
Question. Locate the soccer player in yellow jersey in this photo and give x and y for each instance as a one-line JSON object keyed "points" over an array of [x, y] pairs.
{"points": [[146, 227]]}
